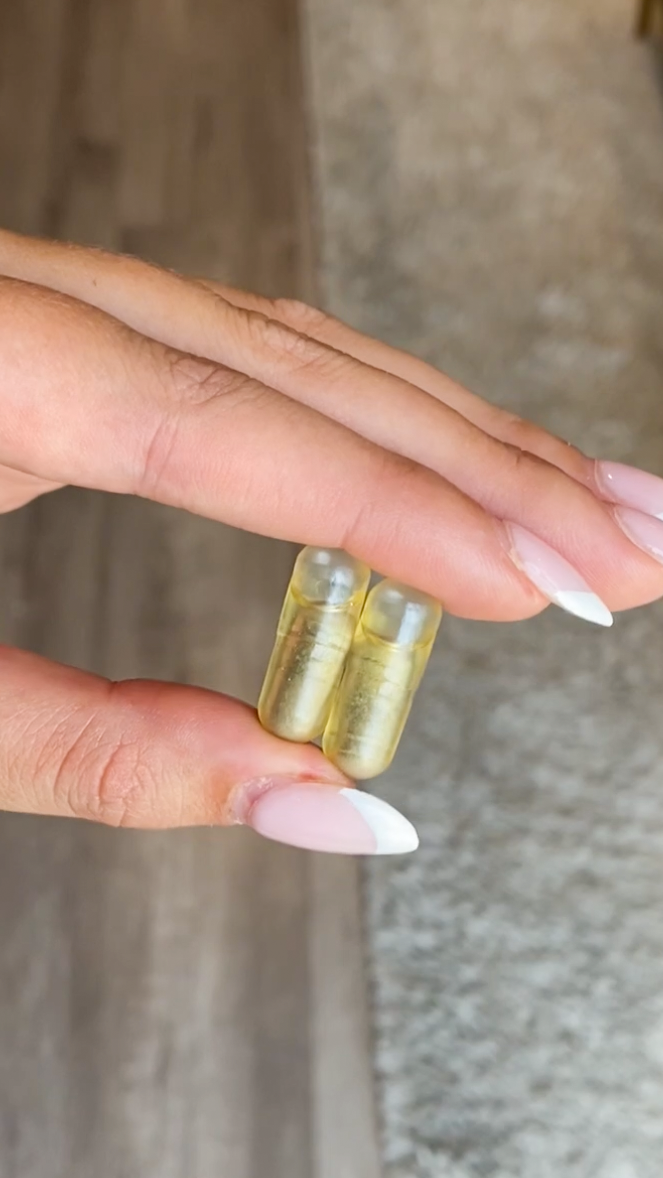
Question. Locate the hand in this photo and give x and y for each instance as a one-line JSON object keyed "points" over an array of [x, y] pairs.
{"points": [[275, 418]]}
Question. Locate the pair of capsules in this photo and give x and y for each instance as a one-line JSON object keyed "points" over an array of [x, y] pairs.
{"points": [[346, 663]]}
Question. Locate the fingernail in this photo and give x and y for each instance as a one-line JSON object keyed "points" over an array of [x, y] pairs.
{"points": [[644, 530], [631, 487], [325, 818], [555, 577]]}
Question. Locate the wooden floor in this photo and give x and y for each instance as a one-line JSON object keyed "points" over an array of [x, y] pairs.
{"points": [[188, 1004]]}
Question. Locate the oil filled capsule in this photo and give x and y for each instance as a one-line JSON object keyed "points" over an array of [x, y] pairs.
{"points": [[318, 620], [388, 657]]}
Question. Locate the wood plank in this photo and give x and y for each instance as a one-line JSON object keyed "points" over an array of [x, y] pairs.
{"points": [[32, 46], [158, 33], [183, 1004], [102, 67], [345, 1132]]}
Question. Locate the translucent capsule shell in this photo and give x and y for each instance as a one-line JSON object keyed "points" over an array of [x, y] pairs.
{"points": [[318, 620], [385, 665]]}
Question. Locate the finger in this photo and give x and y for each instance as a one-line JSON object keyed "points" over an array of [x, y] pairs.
{"points": [[500, 423], [88, 401], [167, 307], [523, 478], [118, 284], [615, 484], [154, 755], [508, 482]]}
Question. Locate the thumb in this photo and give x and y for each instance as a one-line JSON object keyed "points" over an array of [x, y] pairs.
{"points": [[154, 755]]}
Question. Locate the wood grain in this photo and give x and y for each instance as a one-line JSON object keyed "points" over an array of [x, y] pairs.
{"points": [[185, 1004]]}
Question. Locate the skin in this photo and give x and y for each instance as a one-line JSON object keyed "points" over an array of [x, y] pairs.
{"points": [[273, 417]]}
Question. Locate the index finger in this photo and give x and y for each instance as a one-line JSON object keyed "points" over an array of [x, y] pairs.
{"points": [[88, 400]]}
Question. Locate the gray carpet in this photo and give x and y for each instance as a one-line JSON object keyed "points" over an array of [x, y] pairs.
{"points": [[491, 179]]}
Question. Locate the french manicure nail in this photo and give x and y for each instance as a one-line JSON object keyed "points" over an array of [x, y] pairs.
{"points": [[555, 577], [644, 530], [326, 818], [631, 487]]}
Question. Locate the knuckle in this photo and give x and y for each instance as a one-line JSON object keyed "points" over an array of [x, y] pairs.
{"points": [[538, 480], [300, 350], [66, 761], [519, 459], [517, 432], [284, 344], [537, 442], [108, 781], [532, 476], [192, 382], [301, 316], [190, 385], [125, 788]]}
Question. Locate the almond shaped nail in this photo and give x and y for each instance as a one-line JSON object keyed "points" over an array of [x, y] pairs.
{"points": [[558, 580], [644, 530], [324, 818], [631, 487]]}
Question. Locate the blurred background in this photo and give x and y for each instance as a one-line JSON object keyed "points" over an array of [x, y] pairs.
{"points": [[481, 183]]}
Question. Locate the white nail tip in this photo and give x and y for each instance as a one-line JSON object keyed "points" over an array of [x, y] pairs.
{"points": [[584, 605], [393, 834]]}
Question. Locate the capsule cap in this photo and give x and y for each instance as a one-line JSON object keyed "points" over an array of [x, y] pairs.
{"points": [[400, 615], [329, 576]]}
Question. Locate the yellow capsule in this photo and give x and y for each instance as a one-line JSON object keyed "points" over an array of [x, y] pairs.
{"points": [[318, 620], [387, 660]]}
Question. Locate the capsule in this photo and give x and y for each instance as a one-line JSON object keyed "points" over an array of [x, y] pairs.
{"points": [[318, 620], [387, 660]]}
